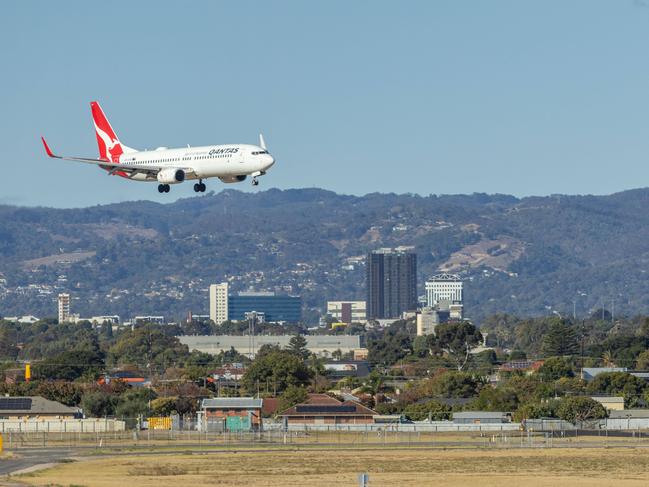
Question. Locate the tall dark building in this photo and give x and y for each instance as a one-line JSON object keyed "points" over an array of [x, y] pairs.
{"points": [[391, 283]]}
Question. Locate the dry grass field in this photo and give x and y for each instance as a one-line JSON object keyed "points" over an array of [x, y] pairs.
{"points": [[574, 467]]}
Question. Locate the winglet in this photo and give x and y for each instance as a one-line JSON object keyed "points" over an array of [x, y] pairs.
{"points": [[47, 148], [262, 142]]}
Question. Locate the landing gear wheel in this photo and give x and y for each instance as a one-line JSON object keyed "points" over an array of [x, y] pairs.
{"points": [[197, 188], [255, 182], [161, 188], [167, 188], [202, 187]]}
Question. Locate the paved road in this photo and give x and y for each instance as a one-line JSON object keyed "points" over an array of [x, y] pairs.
{"points": [[30, 457]]}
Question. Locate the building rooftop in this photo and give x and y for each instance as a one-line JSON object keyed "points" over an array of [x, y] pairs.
{"points": [[232, 402], [35, 405], [479, 415]]}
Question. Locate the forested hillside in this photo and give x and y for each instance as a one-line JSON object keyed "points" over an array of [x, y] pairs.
{"points": [[525, 256]]}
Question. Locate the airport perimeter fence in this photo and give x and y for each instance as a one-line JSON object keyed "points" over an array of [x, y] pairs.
{"points": [[343, 436]]}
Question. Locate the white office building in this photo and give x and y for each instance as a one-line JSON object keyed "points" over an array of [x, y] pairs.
{"points": [[347, 311], [219, 303], [427, 321], [443, 288], [64, 307]]}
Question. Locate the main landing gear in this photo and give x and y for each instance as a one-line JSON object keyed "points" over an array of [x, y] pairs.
{"points": [[200, 186], [164, 188], [255, 181]]}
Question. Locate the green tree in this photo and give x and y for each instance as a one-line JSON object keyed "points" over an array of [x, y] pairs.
{"points": [[147, 347], [71, 365], [291, 396], [642, 361], [537, 410], [575, 409], [554, 368], [65, 392], [297, 346], [561, 340], [276, 370], [433, 410], [630, 386], [134, 402], [496, 399], [98, 404], [457, 340]]}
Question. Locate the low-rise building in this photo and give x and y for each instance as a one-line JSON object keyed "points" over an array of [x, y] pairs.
{"points": [[34, 408], [231, 414], [610, 403], [589, 373], [322, 345], [481, 417], [321, 409]]}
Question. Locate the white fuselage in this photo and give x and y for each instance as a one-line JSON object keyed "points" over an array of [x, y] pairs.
{"points": [[226, 162]]}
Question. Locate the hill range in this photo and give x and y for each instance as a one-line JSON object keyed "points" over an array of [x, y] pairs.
{"points": [[526, 256]]}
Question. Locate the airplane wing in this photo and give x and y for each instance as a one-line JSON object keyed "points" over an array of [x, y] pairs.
{"points": [[111, 167]]}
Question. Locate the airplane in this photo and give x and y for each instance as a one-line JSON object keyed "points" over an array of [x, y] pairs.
{"points": [[231, 163]]}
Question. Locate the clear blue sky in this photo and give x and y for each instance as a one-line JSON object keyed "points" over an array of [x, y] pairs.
{"points": [[452, 96]]}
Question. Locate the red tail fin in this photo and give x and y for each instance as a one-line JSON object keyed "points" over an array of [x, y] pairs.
{"points": [[110, 147]]}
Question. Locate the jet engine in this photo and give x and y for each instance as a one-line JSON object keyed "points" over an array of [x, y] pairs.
{"points": [[171, 176], [233, 179]]}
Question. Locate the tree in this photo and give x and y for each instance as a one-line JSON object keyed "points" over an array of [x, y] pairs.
{"points": [[457, 339], [536, 410], [98, 404], [147, 347], [450, 384], [297, 346], [68, 393], [561, 340], [580, 408], [433, 410], [276, 370], [554, 368], [630, 386], [134, 403], [496, 399], [291, 396], [642, 361], [71, 365]]}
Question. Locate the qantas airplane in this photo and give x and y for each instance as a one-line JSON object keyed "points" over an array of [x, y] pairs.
{"points": [[231, 163]]}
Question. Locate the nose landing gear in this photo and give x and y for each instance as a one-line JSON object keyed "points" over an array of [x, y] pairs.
{"points": [[164, 188], [200, 186], [255, 181]]}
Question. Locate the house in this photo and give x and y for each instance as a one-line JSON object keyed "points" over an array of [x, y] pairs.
{"points": [[322, 409], [347, 368], [481, 417], [134, 379], [525, 366], [610, 403], [231, 414], [589, 373], [35, 407]]}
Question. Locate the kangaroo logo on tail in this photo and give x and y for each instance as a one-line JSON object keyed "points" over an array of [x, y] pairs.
{"points": [[110, 148]]}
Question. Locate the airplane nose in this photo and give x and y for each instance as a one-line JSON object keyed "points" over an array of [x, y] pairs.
{"points": [[269, 160]]}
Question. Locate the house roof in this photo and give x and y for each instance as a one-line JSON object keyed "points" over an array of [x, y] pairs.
{"points": [[629, 414], [16, 405], [327, 407], [609, 399], [232, 402]]}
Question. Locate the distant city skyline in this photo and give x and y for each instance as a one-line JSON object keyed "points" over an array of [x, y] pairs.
{"points": [[522, 98]]}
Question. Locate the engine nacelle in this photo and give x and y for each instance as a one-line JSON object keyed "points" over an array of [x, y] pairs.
{"points": [[233, 179], [171, 176]]}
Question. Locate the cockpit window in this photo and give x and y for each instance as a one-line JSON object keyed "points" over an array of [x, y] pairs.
{"points": [[256, 153]]}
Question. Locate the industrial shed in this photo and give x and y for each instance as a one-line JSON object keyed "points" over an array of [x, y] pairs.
{"points": [[321, 409]]}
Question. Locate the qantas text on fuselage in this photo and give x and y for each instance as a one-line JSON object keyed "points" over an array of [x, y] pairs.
{"points": [[231, 163]]}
